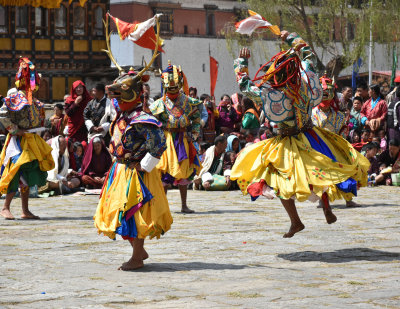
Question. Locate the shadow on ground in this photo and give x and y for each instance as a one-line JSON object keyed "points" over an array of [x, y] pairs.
{"points": [[342, 256], [362, 205], [173, 267], [66, 218], [215, 212]]}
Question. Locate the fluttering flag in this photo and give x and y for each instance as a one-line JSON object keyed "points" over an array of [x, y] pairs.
{"points": [[394, 67], [255, 21], [356, 68], [142, 34], [213, 74]]}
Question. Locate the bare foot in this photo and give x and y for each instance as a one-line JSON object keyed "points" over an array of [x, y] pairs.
{"points": [[145, 255], [29, 216], [352, 204], [329, 216], [6, 213], [131, 265], [187, 210], [293, 230]]}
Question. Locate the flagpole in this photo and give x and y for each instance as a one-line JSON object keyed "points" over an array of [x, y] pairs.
{"points": [[370, 52]]}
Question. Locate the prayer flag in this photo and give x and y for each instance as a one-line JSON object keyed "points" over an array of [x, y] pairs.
{"points": [[213, 74], [255, 21], [394, 67], [356, 68], [142, 34]]}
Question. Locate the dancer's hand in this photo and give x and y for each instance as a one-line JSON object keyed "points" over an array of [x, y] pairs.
{"points": [[284, 35], [244, 53]]}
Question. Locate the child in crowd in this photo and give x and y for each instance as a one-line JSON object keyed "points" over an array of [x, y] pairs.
{"points": [[371, 150], [383, 143], [203, 147], [78, 154]]}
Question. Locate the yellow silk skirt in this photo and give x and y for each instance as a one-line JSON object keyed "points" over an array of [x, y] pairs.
{"points": [[121, 192], [33, 148], [289, 165], [169, 160]]}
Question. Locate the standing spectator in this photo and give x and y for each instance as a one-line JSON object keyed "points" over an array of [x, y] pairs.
{"points": [[98, 114], [393, 116], [209, 130], [237, 100], [362, 91], [227, 115], [95, 165], [395, 92], [355, 114], [75, 104], [374, 111], [146, 89], [251, 118], [58, 120], [201, 107], [345, 98]]}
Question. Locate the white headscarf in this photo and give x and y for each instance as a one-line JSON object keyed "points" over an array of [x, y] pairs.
{"points": [[54, 175]]}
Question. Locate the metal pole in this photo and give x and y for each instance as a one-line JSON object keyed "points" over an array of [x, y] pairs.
{"points": [[370, 52]]}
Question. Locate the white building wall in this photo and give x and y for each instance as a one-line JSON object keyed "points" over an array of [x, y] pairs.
{"points": [[192, 54]]}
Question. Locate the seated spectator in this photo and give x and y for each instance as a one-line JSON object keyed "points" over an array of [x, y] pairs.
{"points": [[78, 154], [233, 144], [365, 139], [215, 174], [250, 136], [227, 118], [383, 142], [96, 163], [58, 121], [251, 118], [71, 155], [371, 150], [61, 177], [203, 147], [374, 111], [391, 159], [46, 135]]}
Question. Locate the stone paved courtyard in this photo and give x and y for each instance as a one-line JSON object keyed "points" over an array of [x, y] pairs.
{"points": [[229, 254]]}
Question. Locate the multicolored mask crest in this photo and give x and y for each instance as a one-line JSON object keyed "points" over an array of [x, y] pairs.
{"points": [[27, 79], [172, 79]]}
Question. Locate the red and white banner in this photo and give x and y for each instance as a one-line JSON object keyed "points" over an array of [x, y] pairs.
{"points": [[255, 21]]}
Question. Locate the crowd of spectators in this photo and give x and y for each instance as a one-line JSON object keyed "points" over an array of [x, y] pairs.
{"points": [[78, 132]]}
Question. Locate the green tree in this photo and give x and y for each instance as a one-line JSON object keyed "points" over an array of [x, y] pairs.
{"points": [[337, 30]]}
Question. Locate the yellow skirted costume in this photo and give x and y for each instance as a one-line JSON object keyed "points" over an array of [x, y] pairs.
{"points": [[169, 160], [125, 192], [133, 204], [302, 160], [33, 147], [289, 165], [180, 161]]}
